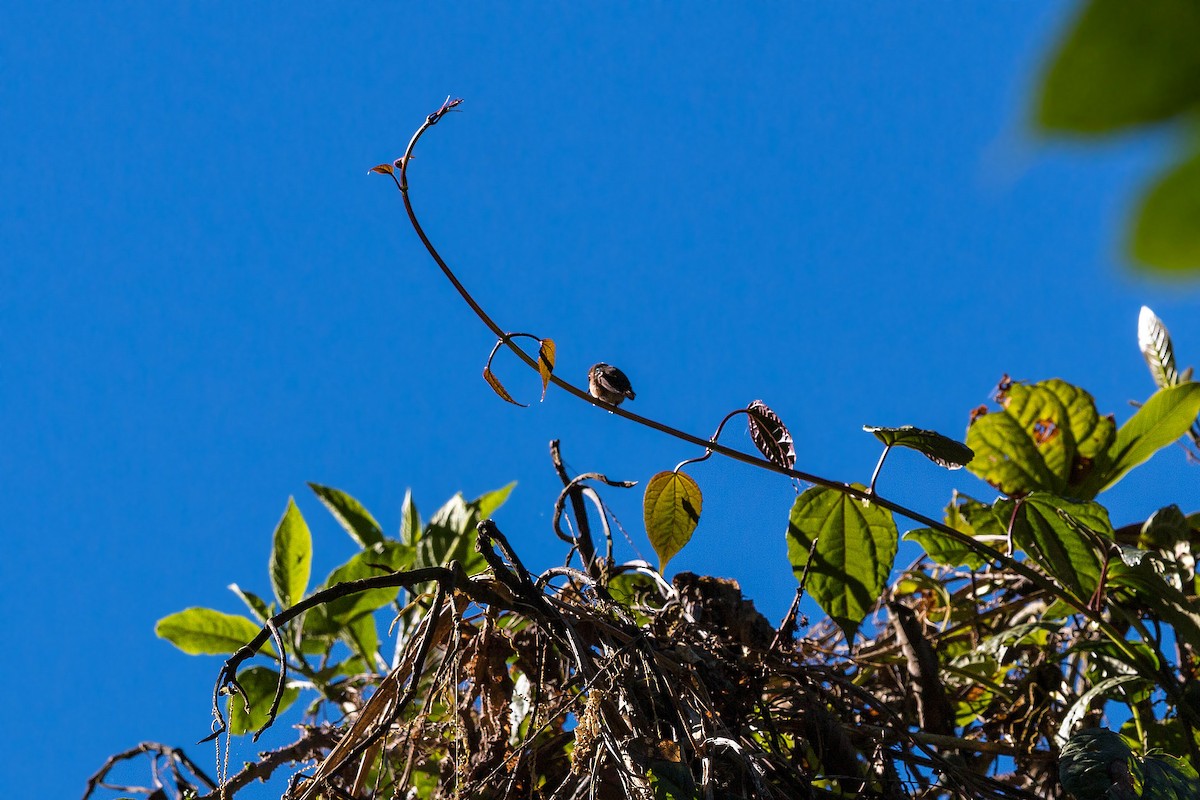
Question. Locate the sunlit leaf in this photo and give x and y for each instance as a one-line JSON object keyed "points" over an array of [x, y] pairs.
{"points": [[1046, 437], [451, 535], [1155, 343], [1166, 225], [383, 169], [1161, 420], [291, 557], [260, 684], [350, 514], [856, 543], [1061, 548], [486, 504], [205, 631], [546, 363], [941, 450], [498, 387], [671, 507], [1123, 64], [771, 436]]}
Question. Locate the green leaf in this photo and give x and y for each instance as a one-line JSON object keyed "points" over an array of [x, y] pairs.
{"points": [[205, 631], [671, 509], [855, 548], [1166, 226], [350, 514], [939, 449], [1164, 529], [260, 684], [451, 535], [291, 557], [362, 637], [1046, 437], [375, 560], [256, 604], [410, 520], [486, 504], [944, 550], [1161, 420], [1123, 64], [1152, 594], [1054, 532]]}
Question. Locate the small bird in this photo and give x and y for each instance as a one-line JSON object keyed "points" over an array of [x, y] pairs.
{"points": [[609, 384]]}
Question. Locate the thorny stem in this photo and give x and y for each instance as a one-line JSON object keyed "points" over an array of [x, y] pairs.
{"points": [[1174, 691]]}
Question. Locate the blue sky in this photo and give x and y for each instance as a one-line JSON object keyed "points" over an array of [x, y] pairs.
{"points": [[207, 301]]}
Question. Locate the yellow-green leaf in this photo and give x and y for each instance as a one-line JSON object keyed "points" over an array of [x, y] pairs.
{"points": [[855, 546], [291, 557], [207, 632], [671, 507]]}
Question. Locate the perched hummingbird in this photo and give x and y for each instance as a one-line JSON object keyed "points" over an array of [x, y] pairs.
{"points": [[607, 383]]}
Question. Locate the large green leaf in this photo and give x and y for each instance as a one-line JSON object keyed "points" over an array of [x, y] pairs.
{"points": [[206, 631], [671, 509], [1166, 226], [1046, 437], [291, 557], [259, 684], [1061, 545], [1138, 572], [1097, 764], [855, 547], [1161, 420], [1123, 63], [350, 514]]}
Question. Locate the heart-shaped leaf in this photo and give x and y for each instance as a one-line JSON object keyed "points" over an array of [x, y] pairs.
{"points": [[671, 507]]}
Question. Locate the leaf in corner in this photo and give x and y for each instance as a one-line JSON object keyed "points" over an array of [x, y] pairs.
{"points": [[671, 507], [291, 557], [546, 363], [771, 436], [939, 449], [498, 387], [1165, 234]]}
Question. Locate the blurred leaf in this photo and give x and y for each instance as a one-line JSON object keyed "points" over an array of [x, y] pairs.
{"points": [[410, 520], [260, 684], [350, 514], [256, 604], [546, 363], [206, 631], [1155, 343], [291, 557], [1123, 64], [383, 169], [771, 436], [1161, 420], [498, 387], [856, 545], [1166, 226], [939, 449], [945, 550], [671, 508]]}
